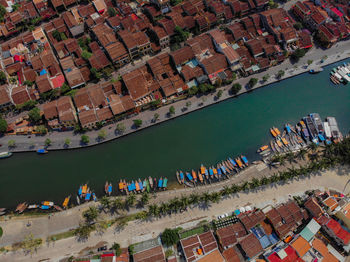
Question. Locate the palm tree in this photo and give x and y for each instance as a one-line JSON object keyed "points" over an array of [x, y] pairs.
{"points": [[164, 208], [145, 198], [205, 198], [194, 199], [264, 180], [245, 186], [105, 202], [215, 197], [301, 153], [254, 183], [118, 203], [312, 147], [153, 210], [226, 191], [130, 200], [290, 157], [184, 202], [235, 188]]}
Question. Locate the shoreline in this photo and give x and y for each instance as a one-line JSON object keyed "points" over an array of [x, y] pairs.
{"points": [[58, 145]]}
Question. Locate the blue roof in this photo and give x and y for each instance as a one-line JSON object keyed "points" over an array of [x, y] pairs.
{"points": [[273, 238], [237, 212], [265, 242], [43, 72]]}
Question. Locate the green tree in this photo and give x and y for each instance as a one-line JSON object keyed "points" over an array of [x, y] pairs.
{"points": [[28, 83], [59, 36], [219, 94], [145, 198], [34, 115], [85, 139], [116, 246], [118, 203], [3, 125], [266, 77], [172, 110], [169, 253], [120, 128], [280, 74], [297, 54], [137, 122], [83, 231], [102, 134], [96, 74], [298, 26], [2, 12], [193, 90], [67, 142], [2, 77], [86, 55], [309, 62], [272, 4], [105, 202], [41, 129], [236, 88], [156, 103], [11, 143], [26, 105], [130, 200], [170, 236], [111, 11], [155, 117], [48, 142], [252, 82], [188, 104], [203, 88], [181, 35], [31, 244], [91, 214]]}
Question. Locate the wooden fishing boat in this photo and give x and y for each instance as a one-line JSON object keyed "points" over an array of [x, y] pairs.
{"points": [[126, 189], [284, 141], [229, 164], [66, 202], [160, 182], [150, 180], [245, 160], [178, 177], [57, 207], [121, 186], [137, 186], [165, 183], [239, 162], [21, 207], [276, 131], [155, 184], [188, 184], [215, 172], [200, 177], [78, 200], [144, 184], [203, 169], [273, 133], [263, 148], [194, 175], [106, 187], [2, 209]]}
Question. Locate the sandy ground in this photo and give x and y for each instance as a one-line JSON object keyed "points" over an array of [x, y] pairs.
{"points": [[137, 231]]}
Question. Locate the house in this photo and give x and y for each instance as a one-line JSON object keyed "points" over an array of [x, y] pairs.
{"points": [[73, 74], [343, 213], [137, 43], [212, 256], [250, 246], [150, 250], [251, 219], [162, 5], [43, 83], [140, 85], [20, 95], [301, 246], [232, 254], [314, 208], [228, 236], [204, 242], [310, 230], [322, 249], [161, 36], [284, 253], [335, 230], [76, 27], [45, 11], [214, 66], [98, 59], [181, 56], [5, 100]]}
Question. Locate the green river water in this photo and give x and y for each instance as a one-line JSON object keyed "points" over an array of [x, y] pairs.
{"points": [[229, 128]]}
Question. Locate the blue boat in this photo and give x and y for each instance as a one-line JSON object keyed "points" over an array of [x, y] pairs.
{"points": [[320, 136], [181, 176], [233, 162], [219, 171], [110, 189], [88, 196], [165, 182], [140, 185], [94, 197], [189, 177], [42, 151], [288, 129], [223, 169], [80, 190], [130, 188], [160, 182], [44, 207], [245, 160], [211, 172], [206, 173]]}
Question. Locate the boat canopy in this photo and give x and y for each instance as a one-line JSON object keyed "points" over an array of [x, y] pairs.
{"points": [[219, 171], [189, 176], [232, 161], [203, 170], [245, 159], [288, 128], [211, 172], [160, 183], [44, 207], [320, 136], [181, 175], [165, 182], [110, 189], [88, 196], [79, 191], [223, 169], [141, 185]]}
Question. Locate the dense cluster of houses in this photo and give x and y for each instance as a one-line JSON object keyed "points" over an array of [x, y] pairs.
{"points": [[75, 41], [327, 19], [317, 231]]}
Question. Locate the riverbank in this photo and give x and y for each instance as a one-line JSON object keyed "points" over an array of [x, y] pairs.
{"points": [[25, 144], [137, 231]]}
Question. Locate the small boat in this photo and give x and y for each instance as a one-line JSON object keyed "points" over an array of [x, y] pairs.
{"points": [[215, 172], [189, 177], [229, 164], [121, 186], [144, 184], [245, 160], [5, 154], [211, 173], [84, 190], [223, 168], [21, 207], [42, 151], [2, 209], [279, 143], [33, 206], [66, 202], [58, 208], [155, 183], [137, 186], [110, 189], [141, 185], [88, 196], [160, 182], [194, 175], [178, 178], [126, 187], [206, 173], [273, 133], [263, 148], [203, 169], [165, 183], [78, 200], [106, 187], [239, 162], [43, 207], [200, 177], [276, 131], [219, 173], [150, 181], [285, 142], [228, 168], [188, 184], [233, 162], [94, 197], [47, 203]]}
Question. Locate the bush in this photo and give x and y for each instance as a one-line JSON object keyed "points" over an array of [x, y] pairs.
{"points": [[266, 77], [297, 54], [170, 236], [86, 55], [26, 105], [172, 110], [102, 134], [3, 125], [117, 249], [65, 88], [298, 26], [252, 82], [111, 11], [11, 143], [34, 115], [2, 77], [48, 142], [137, 122], [193, 90], [219, 94], [41, 129], [236, 88], [85, 139], [280, 74]]}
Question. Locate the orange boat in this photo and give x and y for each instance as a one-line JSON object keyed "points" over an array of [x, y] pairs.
{"points": [[285, 142], [65, 202], [121, 186], [215, 171], [279, 143], [84, 189], [202, 170], [239, 162], [277, 131], [200, 177], [137, 186], [263, 148], [194, 175], [273, 133]]}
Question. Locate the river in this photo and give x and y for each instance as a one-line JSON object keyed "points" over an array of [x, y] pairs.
{"points": [[232, 127]]}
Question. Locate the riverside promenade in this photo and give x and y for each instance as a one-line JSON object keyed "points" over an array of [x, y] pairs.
{"points": [[25, 143], [137, 231]]}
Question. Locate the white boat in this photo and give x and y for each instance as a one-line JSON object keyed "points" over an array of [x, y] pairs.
{"points": [[5, 154]]}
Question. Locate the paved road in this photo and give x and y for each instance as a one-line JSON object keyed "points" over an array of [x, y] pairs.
{"points": [[338, 52], [137, 231]]}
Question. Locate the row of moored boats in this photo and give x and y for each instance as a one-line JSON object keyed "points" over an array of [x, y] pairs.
{"points": [[340, 74], [213, 173]]}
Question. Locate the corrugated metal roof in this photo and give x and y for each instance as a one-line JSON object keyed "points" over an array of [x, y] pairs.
{"points": [[313, 226], [307, 234]]}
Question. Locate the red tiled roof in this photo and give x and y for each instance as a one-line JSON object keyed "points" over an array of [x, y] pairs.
{"points": [[339, 231], [251, 246]]}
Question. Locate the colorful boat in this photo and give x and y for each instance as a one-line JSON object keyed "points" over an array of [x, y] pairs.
{"points": [[78, 200], [47, 203], [232, 162], [42, 151], [194, 175], [276, 131], [189, 177], [106, 187], [150, 180], [285, 142], [160, 182], [58, 208], [263, 148], [137, 186], [223, 169], [279, 143], [121, 186], [206, 173], [87, 196], [155, 183], [245, 160], [219, 172], [273, 133], [165, 183], [5, 154], [94, 197], [144, 184], [21, 207], [239, 163], [200, 177], [43, 207], [179, 178], [141, 185], [203, 169]]}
